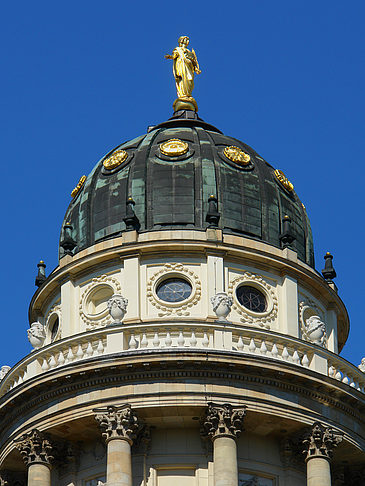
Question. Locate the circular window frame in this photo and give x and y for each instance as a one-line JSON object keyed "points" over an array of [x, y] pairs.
{"points": [[268, 302], [174, 270], [103, 317], [248, 316], [173, 275]]}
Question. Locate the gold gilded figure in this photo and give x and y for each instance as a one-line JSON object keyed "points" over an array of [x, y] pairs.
{"points": [[184, 67]]}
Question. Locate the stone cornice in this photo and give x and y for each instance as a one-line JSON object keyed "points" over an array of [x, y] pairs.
{"points": [[134, 366], [114, 373]]}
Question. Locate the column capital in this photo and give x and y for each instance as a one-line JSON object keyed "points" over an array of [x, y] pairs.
{"points": [[117, 423], [223, 420], [35, 447], [320, 441]]}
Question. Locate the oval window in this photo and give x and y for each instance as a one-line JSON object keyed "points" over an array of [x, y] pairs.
{"points": [[251, 298], [174, 290]]}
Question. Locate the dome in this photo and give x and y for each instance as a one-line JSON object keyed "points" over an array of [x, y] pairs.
{"points": [[185, 174]]}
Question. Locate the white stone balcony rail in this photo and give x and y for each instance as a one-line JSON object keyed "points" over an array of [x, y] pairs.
{"points": [[152, 336]]}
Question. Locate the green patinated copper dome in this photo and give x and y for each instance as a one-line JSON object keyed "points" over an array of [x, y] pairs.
{"points": [[171, 183]]}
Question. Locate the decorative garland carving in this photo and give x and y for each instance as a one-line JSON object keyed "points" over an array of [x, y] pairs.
{"points": [[55, 309], [263, 319], [103, 318], [177, 308], [312, 323]]}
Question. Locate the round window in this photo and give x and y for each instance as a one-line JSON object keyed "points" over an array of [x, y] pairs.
{"points": [[174, 290], [251, 298]]}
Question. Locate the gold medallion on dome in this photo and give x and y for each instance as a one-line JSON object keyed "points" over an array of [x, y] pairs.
{"points": [[77, 189], [284, 181], [174, 147], [115, 160], [237, 155]]}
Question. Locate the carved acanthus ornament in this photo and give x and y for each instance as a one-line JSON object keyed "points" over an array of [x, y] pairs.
{"points": [[4, 478], [223, 421], [117, 423], [35, 447], [320, 441]]}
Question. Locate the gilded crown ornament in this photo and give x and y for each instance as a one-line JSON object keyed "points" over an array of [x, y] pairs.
{"points": [[115, 160], [284, 181], [185, 66], [237, 155], [174, 147]]}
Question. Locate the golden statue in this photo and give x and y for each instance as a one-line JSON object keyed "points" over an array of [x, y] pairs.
{"points": [[184, 67]]}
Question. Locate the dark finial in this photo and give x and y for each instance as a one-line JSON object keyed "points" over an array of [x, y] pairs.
{"points": [[41, 277], [213, 215], [286, 237], [131, 220], [328, 272], [68, 243]]}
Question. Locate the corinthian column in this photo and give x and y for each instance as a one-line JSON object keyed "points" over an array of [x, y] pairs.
{"points": [[318, 447], [223, 424], [119, 426], [36, 451]]}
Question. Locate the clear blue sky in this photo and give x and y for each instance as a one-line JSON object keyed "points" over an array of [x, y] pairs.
{"points": [[78, 78]]}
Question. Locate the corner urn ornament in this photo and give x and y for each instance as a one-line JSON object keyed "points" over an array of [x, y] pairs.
{"points": [[185, 66], [36, 335], [315, 330], [222, 304], [117, 305]]}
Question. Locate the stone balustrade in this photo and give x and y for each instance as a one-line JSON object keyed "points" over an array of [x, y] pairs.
{"points": [[132, 338]]}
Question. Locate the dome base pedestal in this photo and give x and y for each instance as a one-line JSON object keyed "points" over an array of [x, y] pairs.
{"points": [[187, 103]]}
